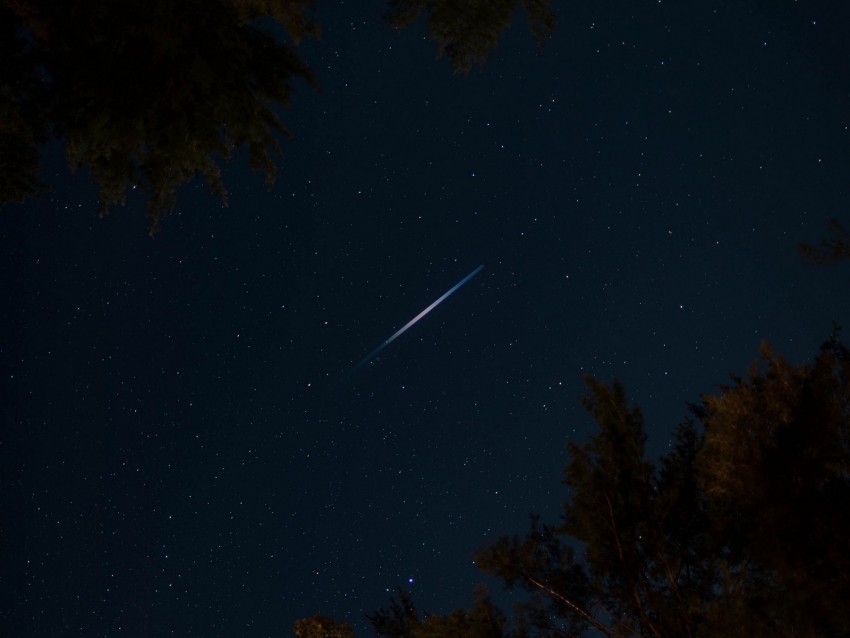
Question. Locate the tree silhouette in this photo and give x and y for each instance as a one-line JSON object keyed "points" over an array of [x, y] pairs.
{"points": [[398, 620], [403, 620], [741, 529], [23, 117], [154, 93], [466, 32], [775, 465], [321, 627]]}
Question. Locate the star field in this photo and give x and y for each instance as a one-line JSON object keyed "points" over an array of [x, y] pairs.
{"points": [[182, 450]]}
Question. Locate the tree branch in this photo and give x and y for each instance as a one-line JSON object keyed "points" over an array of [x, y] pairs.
{"points": [[588, 617]]}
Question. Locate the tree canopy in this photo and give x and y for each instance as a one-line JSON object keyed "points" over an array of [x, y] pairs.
{"points": [[321, 627], [154, 93], [741, 529]]}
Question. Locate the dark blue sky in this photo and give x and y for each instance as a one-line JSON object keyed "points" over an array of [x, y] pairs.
{"points": [[183, 451]]}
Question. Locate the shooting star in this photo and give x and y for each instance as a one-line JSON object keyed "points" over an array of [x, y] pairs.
{"points": [[405, 327]]}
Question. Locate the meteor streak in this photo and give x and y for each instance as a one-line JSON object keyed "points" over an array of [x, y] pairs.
{"points": [[404, 328]]}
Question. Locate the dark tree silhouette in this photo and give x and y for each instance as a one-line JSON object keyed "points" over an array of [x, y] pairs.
{"points": [[403, 620], [321, 627], [467, 31], [775, 467], [23, 116], [399, 619], [741, 529], [153, 93]]}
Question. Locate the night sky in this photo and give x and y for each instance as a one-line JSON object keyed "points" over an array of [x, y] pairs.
{"points": [[185, 447]]}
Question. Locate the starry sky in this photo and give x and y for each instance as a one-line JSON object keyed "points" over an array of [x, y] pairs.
{"points": [[186, 446]]}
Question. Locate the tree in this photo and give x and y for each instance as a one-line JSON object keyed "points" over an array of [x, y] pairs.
{"points": [[403, 620], [23, 121], [483, 620], [399, 620], [466, 32], [630, 578], [154, 93], [321, 627], [741, 529], [775, 465]]}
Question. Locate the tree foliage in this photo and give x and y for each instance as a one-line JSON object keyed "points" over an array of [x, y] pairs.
{"points": [[467, 31], [399, 620], [155, 93], [321, 627], [402, 620], [776, 467], [23, 121], [741, 529], [151, 94]]}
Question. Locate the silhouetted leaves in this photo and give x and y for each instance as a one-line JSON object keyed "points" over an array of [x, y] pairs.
{"points": [[743, 530], [399, 620], [23, 113], [467, 31], [402, 620], [776, 467], [540, 563], [151, 94], [483, 620], [147, 94], [321, 627], [155, 93]]}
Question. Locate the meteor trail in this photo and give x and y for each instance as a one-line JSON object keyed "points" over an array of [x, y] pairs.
{"points": [[404, 328]]}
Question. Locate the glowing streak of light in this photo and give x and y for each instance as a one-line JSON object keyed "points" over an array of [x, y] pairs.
{"points": [[406, 326]]}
